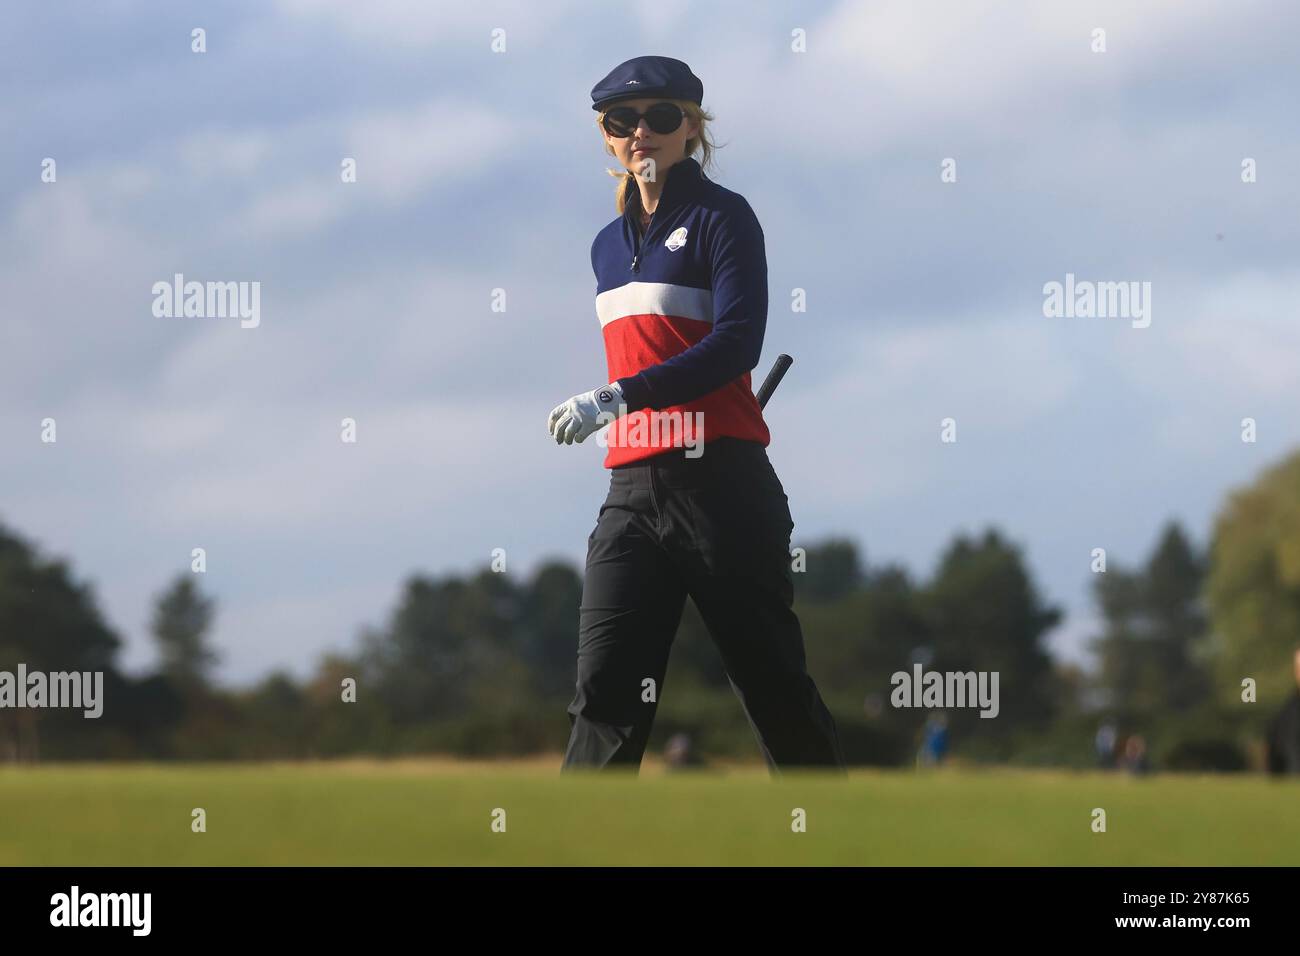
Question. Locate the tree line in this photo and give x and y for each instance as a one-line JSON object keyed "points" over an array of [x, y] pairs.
{"points": [[483, 663]]}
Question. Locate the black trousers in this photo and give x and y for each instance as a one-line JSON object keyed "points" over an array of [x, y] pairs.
{"points": [[716, 527]]}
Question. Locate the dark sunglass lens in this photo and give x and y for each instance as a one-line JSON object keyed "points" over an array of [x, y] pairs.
{"points": [[621, 121], [664, 117]]}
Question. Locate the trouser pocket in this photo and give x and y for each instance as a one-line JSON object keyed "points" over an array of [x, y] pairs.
{"points": [[741, 523]]}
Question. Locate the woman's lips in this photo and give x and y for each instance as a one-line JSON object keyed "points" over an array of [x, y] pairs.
{"points": [[645, 149]]}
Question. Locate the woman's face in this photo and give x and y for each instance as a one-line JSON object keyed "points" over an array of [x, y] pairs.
{"points": [[643, 144]]}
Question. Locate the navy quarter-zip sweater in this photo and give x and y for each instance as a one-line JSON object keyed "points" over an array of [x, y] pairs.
{"points": [[683, 310]]}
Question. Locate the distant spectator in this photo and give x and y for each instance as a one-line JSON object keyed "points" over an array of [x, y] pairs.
{"points": [[679, 753], [1284, 732], [1105, 741], [1134, 757], [934, 742]]}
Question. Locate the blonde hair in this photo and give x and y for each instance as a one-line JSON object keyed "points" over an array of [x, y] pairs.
{"points": [[701, 142]]}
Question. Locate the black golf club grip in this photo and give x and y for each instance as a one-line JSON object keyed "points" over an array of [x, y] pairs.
{"points": [[779, 368]]}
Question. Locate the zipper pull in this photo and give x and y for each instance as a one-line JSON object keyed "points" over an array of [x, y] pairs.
{"points": [[634, 259]]}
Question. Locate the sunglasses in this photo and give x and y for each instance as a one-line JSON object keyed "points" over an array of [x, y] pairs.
{"points": [[663, 118]]}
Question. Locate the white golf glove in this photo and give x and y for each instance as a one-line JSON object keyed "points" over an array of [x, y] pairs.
{"points": [[584, 414]]}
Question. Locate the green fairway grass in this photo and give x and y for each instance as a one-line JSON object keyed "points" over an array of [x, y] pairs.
{"points": [[440, 812]]}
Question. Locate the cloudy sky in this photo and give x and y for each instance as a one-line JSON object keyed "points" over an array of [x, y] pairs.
{"points": [[481, 169]]}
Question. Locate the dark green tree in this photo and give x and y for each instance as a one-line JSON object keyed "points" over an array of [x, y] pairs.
{"points": [[181, 620], [49, 622], [986, 615], [1152, 653], [1126, 676], [452, 646], [549, 627], [833, 570], [1176, 619]]}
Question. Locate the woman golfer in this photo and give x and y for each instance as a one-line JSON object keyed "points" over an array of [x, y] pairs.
{"points": [[694, 506]]}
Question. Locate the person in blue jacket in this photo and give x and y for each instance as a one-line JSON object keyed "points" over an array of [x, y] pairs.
{"points": [[694, 506]]}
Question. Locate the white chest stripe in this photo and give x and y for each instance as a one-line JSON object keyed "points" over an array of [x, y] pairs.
{"points": [[654, 298]]}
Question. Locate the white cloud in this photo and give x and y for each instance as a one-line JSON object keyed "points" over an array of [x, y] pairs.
{"points": [[279, 213], [875, 423], [226, 151], [290, 467], [76, 278], [1216, 352], [882, 76], [402, 24], [402, 152], [1240, 331]]}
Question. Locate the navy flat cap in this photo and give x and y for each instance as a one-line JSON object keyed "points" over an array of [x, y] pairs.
{"points": [[648, 76]]}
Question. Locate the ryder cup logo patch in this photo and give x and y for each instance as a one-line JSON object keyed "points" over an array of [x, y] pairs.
{"points": [[676, 240]]}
